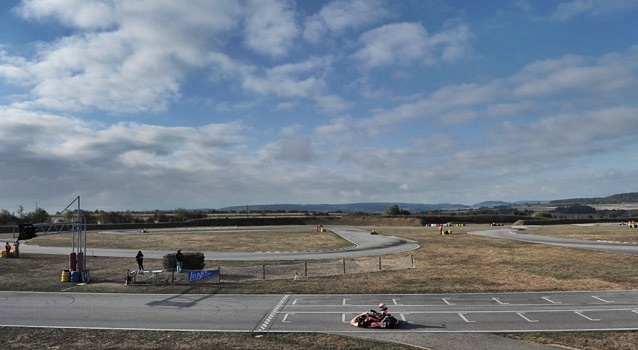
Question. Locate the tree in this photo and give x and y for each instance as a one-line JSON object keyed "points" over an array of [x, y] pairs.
{"points": [[160, 216], [37, 216], [395, 210], [7, 218]]}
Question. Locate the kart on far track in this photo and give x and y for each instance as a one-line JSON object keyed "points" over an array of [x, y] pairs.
{"points": [[372, 319]]}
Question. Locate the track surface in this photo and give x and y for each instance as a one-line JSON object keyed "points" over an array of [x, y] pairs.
{"points": [[420, 313], [512, 234]]}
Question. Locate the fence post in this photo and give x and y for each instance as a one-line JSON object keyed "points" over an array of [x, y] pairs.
{"points": [[305, 267], [380, 263], [412, 259], [344, 266], [263, 268]]}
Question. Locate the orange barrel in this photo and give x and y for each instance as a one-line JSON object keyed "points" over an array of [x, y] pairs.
{"points": [[73, 262]]}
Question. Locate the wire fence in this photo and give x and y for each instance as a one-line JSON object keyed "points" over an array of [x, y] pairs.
{"points": [[265, 272]]}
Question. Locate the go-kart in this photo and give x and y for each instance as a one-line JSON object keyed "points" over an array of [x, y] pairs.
{"points": [[372, 319]]}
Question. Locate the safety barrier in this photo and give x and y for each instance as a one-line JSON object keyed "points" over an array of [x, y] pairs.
{"points": [[295, 270], [309, 269]]}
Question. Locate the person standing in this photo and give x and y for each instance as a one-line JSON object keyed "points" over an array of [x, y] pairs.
{"points": [[7, 250], [140, 261], [179, 260], [16, 248]]}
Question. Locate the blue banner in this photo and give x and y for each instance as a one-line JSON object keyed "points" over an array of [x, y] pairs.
{"points": [[199, 275]]}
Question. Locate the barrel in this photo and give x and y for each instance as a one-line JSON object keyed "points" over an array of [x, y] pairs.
{"points": [[75, 276], [66, 276], [80, 261], [86, 276], [73, 263]]}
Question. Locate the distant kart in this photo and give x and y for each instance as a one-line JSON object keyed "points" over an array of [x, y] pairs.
{"points": [[371, 319]]}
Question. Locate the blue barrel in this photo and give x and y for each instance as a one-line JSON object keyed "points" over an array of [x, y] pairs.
{"points": [[75, 276]]}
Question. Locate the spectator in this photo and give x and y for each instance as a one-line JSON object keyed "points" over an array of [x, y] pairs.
{"points": [[16, 248], [7, 249], [140, 261], [179, 260]]}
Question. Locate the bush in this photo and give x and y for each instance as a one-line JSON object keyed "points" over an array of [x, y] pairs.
{"points": [[192, 261]]}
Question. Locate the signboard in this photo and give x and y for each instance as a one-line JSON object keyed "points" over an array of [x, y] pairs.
{"points": [[204, 274]]}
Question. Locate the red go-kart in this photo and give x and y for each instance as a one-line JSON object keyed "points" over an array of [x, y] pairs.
{"points": [[373, 319]]}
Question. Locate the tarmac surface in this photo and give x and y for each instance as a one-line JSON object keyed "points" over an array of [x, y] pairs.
{"points": [[438, 321], [520, 233]]}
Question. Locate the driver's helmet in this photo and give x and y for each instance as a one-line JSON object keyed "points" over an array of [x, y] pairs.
{"points": [[382, 306]]}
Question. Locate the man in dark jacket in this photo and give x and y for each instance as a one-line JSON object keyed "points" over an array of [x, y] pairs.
{"points": [[179, 260]]}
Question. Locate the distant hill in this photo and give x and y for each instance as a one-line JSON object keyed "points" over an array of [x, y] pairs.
{"points": [[416, 208], [631, 197], [378, 207], [491, 204], [350, 207]]}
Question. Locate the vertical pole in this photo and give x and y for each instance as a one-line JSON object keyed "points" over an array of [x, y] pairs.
{"points": [[305, 267], [380, 263], [412, 260], [263, 271], [344, 266]]}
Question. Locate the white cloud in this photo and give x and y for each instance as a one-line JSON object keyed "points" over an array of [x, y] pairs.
{"points": [[574, 73], [406, 43], [132, 60], [568, 10], [339, 16], [270, 27], [74, 13], [332, 103], [303, 79], [398, 43], [297, 148]]}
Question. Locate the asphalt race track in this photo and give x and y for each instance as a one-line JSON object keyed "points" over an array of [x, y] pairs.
{"points": [[419, 313], [605, 246]]}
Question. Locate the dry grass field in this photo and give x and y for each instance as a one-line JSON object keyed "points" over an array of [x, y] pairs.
{"points": [[242, 239], [450, 263]]}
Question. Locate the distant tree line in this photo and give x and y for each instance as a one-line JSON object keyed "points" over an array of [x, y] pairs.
{"points": [[575, 209], [20, 217], [630, 197]]}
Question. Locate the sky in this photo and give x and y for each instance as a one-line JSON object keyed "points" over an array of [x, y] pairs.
{"points": [[162, 104]]}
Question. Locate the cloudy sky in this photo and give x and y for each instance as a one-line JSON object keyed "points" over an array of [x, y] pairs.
{"points": [[163, 104]]}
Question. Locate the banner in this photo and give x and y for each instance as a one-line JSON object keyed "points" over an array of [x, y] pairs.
{"points": [[199, 275]]}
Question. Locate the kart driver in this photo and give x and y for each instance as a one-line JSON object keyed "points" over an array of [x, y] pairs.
{"points": [[379, 317], [383, 311]]}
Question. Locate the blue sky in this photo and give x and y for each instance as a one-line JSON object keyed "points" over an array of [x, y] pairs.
{"points": [[153, 104]]}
